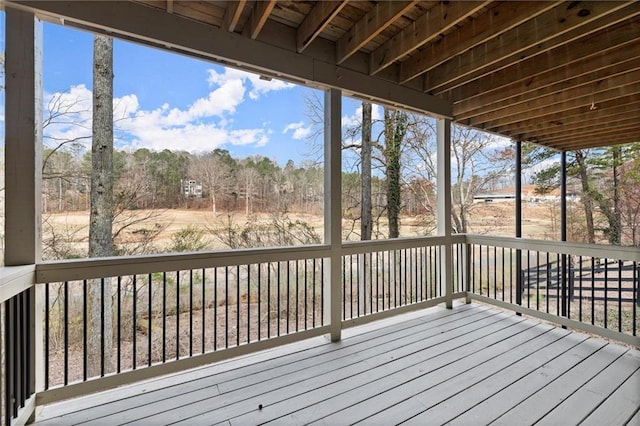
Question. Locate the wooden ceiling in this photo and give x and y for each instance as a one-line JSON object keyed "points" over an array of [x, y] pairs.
{"points": [[565, 74]]}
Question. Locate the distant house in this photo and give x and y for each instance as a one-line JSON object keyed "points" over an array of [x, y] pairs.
{"points": [[191, 188], [490, 198]]}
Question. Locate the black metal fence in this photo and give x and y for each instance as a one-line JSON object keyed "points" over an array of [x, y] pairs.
{"points": [[593, 290], [16, 354], [382, 280], [142, 320]]}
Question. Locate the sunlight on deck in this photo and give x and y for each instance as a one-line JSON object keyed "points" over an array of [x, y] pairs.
{"points": [[469, 365]]}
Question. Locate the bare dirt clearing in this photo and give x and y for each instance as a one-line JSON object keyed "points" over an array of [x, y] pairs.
{"points": [[490, 218]]}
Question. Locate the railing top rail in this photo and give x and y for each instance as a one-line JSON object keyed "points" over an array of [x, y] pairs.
{"points": [[15, 280], [355, 247], [561, 247], [68, 270]]}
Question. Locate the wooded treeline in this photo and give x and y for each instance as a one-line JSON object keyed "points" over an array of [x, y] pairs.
{"points": [[145, 179], [607, 189], [606, 183]]}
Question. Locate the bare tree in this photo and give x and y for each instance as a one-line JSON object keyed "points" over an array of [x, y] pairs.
{"points": [[247, 178], [101, 213], [366, 219], [478, 162], [214, 174], [395, 129]]}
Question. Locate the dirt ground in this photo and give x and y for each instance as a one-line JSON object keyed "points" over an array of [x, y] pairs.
{"points": [[489, 219]]}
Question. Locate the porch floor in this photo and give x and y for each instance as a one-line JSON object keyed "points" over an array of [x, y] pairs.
{"points": [[470, 365]]}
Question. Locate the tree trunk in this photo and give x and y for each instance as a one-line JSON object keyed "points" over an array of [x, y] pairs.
{"points": [[366, 220], [395, 129], [617, 215], [101, 212], [587, 201]]}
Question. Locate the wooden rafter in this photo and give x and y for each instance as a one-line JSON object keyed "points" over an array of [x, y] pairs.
{"points": [[594, 141], [603, 134], [527, 69], [610, 110], [578, 85], [497, 20], [553, 28], [540, 109], [426, 28], [373, 23], [589, 68], [549, 67], [586, 129], [232, 14], [316, 21], [259, 15]]}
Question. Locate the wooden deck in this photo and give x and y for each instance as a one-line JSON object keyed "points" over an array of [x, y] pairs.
{"points": [[469, 365]]}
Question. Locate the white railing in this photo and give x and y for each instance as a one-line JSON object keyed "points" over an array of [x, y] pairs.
{"points": [[18, 334], [165, 313], [594, 288]]}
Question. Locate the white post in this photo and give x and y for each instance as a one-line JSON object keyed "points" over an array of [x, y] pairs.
{"points": [[444, 206], [23, 162], [333, 208]]}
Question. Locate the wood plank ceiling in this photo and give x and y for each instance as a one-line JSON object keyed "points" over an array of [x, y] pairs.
{"points": [[562, 74]]}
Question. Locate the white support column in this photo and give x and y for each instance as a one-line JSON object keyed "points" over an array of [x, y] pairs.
{"points": [[333, 208], [23, 138], [23, 162], [444, 206]]}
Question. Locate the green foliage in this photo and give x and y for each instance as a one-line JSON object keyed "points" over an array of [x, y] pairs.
{"points": [[609, 180], [188, 239], [280, 232]]}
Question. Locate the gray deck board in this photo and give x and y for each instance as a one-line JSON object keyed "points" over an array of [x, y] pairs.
{"points": [[546, 399], [283, 388], [468, 396], [340, 393], [427, 392], [595, 392], [469, 365], [495, 405], [621, 406]]}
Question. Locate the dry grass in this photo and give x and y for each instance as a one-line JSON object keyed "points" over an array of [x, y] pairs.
{"points": [[490, 219]]}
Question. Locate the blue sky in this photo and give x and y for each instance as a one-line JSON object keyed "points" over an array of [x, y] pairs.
{"points": [[167, 101], [164, 100]]}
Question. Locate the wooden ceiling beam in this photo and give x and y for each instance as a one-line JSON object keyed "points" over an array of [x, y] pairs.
{"points": [[576, 85], [543, 69], [497, 20], [274, 55], [517, 124], [553, 28], [610, 110], [622, 124], [232, 14], [316, 21], [595, 142], [373, 23], [595, 93], [589, 69], [259, 15], [623, 136], [442, 17]]}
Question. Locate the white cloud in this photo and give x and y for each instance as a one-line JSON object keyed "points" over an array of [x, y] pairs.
{"points": [[259, 86], [67, 115], [204, 125], [355, 119], [300, 132]]}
